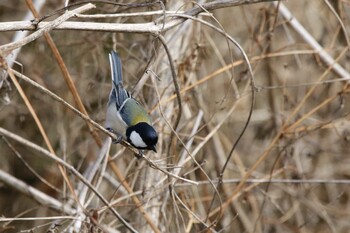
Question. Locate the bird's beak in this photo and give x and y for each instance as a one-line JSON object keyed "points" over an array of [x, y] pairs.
{"points": [[154, 148]]}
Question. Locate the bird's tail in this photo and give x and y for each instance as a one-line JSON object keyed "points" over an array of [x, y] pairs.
{"points": [[117, 78], [116, 68]]}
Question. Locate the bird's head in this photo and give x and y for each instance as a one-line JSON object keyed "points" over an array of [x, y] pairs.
{"points": [[142, 136]]}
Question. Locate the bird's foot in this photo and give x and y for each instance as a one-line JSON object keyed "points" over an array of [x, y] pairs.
{"points": [[118, 140], [119, 137], [139, 155]]}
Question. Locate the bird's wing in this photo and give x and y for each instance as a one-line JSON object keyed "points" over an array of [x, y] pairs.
{"points": [[132, 113]]}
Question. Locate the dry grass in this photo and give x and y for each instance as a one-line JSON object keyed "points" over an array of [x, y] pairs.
{"points": [[289, 172]]}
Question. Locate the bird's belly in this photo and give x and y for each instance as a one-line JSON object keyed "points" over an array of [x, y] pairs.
{"points": [[114, 122]]}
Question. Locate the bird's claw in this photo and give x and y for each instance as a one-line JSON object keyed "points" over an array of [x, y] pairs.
{"points": [[139, 155], [119, 137], [118, 140]]}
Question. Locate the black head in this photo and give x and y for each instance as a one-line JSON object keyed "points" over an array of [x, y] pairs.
{"points": [[142, 136]]}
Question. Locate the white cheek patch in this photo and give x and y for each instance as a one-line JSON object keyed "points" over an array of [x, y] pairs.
{"points": [[137, 140]]}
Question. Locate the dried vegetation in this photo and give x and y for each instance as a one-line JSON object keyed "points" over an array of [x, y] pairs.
{"points": [[289, 172]]}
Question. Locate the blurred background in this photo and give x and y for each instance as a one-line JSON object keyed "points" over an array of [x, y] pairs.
{"points": [[294, 152]]}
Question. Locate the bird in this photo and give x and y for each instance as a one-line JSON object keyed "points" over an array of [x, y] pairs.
{"points": [[125, 116]]}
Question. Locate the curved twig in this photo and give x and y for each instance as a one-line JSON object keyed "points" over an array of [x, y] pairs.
{"points": [[7, 48], [69, 167], [85, 117], [253, 90], [176, 86], [337, 16], [125, 27], [191, 156]]}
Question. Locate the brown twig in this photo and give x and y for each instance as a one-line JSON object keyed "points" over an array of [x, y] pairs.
{"points": [[69, 167]]}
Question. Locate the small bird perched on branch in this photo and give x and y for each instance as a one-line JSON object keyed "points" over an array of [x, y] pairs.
{"points": [[125, 116]]}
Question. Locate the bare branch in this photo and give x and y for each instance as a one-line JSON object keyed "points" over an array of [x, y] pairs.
{"points": [[136, 28], [329, 60], [48, 154], [6, 49], [34, 193]]}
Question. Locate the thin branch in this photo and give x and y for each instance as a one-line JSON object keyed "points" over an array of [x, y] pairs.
{"points": [[176, 86], [38, 123], [62, 101], [69, 167], [133, 14], [153, 165], [37, 218], [126, 144], [183, 155], [136, 28], [253, 90], [7, 48], [329, 5], [274, 141], [19, 35], [191, 156], [272, 181], [27, 165], [329, 60], [66, 75], [83, 26], [34, 193]]}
